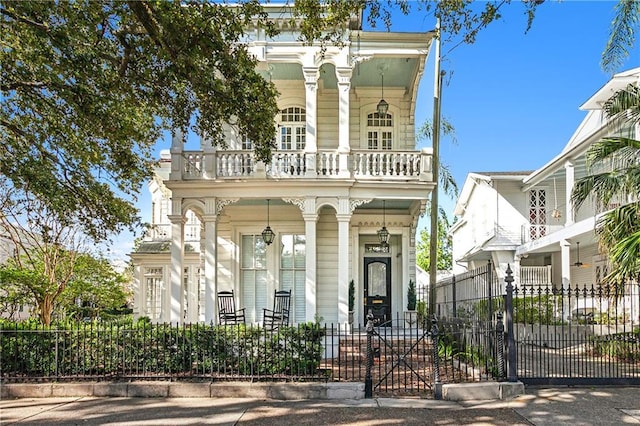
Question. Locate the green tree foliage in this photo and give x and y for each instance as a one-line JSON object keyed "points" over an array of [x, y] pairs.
{"points": [[45, 267], [458, 18], [445, 245], [89, 86], [94, 289], [614, 166]]}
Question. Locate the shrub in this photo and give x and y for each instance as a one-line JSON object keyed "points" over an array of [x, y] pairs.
{"points": [[118, 349]]}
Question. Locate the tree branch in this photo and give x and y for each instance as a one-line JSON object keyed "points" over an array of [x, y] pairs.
{"points": [[40, 25], [20, 84]]}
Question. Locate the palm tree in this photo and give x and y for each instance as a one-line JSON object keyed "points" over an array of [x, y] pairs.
{"points": [[618, 159], [624, 26]]}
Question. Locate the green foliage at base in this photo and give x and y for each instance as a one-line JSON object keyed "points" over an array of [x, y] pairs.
{"points": [[143, 349], [623, 347]]}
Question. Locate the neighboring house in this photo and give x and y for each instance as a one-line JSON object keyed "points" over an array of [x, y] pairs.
{"points": [[343, 173], [526, 219]]}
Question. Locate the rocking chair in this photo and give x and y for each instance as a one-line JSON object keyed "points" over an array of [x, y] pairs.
{"points": [[227, 313], [279, 315]]}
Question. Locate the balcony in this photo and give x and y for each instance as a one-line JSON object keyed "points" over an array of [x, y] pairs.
{"points": [[535, 275], [324, 164]]}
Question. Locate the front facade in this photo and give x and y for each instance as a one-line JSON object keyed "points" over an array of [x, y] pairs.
{"points": [[341, 172], [526, 219]]}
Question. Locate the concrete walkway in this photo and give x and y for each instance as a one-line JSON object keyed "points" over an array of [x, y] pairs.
{"points": [[538, 406]]}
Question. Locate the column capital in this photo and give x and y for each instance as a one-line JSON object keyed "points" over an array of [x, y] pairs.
{"points": [[209, 218], [310, 217], [177, 219], [311, 75], [343, 74]]}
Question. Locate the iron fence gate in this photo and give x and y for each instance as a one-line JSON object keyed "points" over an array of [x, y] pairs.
{"points": [[401, 360]]}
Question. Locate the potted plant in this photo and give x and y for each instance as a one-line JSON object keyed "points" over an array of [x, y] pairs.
{"points": [[410, 315], [421, 309], [352, 300]]}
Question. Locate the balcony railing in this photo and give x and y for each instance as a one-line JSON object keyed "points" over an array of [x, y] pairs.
{"points": [[535, 275], [358, 164]]}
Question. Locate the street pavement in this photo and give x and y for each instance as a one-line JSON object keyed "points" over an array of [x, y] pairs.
{"points": [[538, 406]]}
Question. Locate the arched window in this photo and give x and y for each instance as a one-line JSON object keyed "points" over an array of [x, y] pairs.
{"points": [[293, 128], [379, 131]]}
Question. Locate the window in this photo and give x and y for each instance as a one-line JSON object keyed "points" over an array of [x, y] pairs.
{"points": [[537, 213], [254, 276], [154, 284], [379, 131], [292, 272], [246, 143], [293, 128]]}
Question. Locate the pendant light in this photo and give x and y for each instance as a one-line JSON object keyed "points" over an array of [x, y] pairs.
{"points": [[267, 234], [383, 234], [383, 106]]}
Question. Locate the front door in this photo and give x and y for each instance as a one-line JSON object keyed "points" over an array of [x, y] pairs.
{"points": [[377, 289]]}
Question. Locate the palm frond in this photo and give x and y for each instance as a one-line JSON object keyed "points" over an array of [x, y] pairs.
{"points": [[447, 182], [625, 258], [601, 187], [426, 130], [625, 101], [626, 149], [622, 35]]}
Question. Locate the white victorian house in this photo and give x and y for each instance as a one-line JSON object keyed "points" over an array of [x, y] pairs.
{"points": [[526, 218], [342, 172]]}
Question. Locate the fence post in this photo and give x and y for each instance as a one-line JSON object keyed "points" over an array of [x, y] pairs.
{"points": [[368, 382], [508, 311], [500, 338], [437, 387]]}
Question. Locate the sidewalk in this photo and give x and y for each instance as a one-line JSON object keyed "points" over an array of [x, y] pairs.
{"points": [[538, 406]]}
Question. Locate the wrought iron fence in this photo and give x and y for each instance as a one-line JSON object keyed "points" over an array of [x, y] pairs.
{"points": [[160, 351], [578, 334], [469, 308]]}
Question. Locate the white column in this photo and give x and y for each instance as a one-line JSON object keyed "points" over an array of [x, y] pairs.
{"points": [[311, 105], [344, 218], [174, 295], [210, 273], [344, 147], [311, 291], [570, 180], [565, 259]]}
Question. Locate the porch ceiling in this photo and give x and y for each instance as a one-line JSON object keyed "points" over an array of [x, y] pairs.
{"points": [[399, 73]]}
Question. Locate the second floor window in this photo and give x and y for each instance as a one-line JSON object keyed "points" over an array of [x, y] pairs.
{"points": [[379, 131], [246, 143], [293, 129]]}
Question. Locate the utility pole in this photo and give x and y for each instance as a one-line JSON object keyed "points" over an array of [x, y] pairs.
{"points": [[433, 242]]}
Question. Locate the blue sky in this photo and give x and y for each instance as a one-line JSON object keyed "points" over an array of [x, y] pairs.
{"points": [[512, 97]]}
